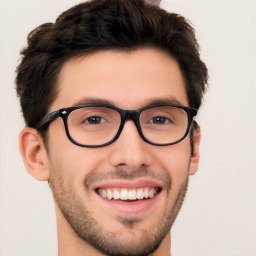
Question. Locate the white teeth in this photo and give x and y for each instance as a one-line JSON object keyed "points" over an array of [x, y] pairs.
{"points": [[132, 194], [104, 193], [151, 193], [127, 194], [140, 194], [124, 194], [109, 194], [116, 194], [146, 191]]}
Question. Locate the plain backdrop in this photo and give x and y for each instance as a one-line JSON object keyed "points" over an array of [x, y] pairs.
{"points": [[218, 217]]}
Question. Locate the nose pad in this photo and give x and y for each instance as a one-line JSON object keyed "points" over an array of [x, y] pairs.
{"points": [[130, 149]]}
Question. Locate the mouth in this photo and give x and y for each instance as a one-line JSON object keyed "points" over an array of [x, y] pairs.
{"points": [[128, 195]]}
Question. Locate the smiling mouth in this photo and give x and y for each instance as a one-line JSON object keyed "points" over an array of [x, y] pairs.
{"points": [[128, 195]]}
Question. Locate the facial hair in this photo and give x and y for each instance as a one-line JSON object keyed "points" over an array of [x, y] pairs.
{"points": [[108, 242]]}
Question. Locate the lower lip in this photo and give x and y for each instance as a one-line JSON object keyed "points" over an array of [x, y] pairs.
{"points": [[132, 207]]}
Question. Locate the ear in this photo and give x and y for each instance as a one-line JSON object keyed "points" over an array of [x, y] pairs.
{"points": [[194, 161], [34, 154]]}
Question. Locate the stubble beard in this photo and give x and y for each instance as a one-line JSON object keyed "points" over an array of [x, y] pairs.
{"points": [[107, 242]]}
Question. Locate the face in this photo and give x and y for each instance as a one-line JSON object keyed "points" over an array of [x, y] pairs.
{"points": [[80, 176]]}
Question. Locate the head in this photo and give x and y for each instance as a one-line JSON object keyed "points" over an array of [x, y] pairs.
{"points": [[131, 55]]}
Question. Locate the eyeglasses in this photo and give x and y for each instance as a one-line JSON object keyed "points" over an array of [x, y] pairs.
{"points": [[97, 125]]}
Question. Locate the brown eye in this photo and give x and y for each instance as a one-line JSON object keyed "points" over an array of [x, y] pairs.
{"points": [[160, 120], [94, 120]]}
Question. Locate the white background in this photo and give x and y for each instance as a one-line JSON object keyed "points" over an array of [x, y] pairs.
{"points": [[218, 217]]}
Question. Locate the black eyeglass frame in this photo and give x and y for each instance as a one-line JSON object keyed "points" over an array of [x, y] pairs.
{"points": [[124, 114]]}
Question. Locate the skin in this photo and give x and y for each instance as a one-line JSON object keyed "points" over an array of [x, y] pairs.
{"points": [[129, 80]]}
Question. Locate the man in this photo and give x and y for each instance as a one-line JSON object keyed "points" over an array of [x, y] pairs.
{"points": [[108, 93]]}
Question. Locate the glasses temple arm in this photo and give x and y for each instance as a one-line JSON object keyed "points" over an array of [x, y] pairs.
{"points": [[47, 120]]}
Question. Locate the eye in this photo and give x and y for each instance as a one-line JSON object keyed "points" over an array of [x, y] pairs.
{"points": [[160, 120], [95, 120]]}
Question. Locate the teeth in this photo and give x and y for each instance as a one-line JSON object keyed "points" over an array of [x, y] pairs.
{"points": [[104, 193], [127, 194], [140, 194], [132, 194], [124, 194], [151, 193], [116, 194], [109, 194], [146, 192]]}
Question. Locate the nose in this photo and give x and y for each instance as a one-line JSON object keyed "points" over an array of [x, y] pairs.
{"points": [[130, 150]]}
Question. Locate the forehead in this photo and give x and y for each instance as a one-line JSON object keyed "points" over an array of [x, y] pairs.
{"points": [[127, 79]]}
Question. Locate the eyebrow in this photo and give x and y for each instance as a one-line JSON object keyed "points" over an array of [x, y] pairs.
{"points": [[148, 102], [164, 101], [86, 101]]}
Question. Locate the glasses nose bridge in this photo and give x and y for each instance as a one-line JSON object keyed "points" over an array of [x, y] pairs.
{"points": [[131, 115]]}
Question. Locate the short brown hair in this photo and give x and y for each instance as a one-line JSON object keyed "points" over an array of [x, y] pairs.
{"points": [[98, 25]]}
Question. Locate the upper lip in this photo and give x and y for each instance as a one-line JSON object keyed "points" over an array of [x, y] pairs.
{"points": [[128, 184]]}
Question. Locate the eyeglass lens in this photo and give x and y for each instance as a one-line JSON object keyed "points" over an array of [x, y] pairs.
{"points": [[99, 125]]}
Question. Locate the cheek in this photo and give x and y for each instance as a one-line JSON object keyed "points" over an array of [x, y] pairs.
{"points": [[175, 160], [69, 160]]}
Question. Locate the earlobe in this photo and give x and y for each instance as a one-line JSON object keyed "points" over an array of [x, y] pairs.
{"points": [[34, 154], [194, 162]]}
